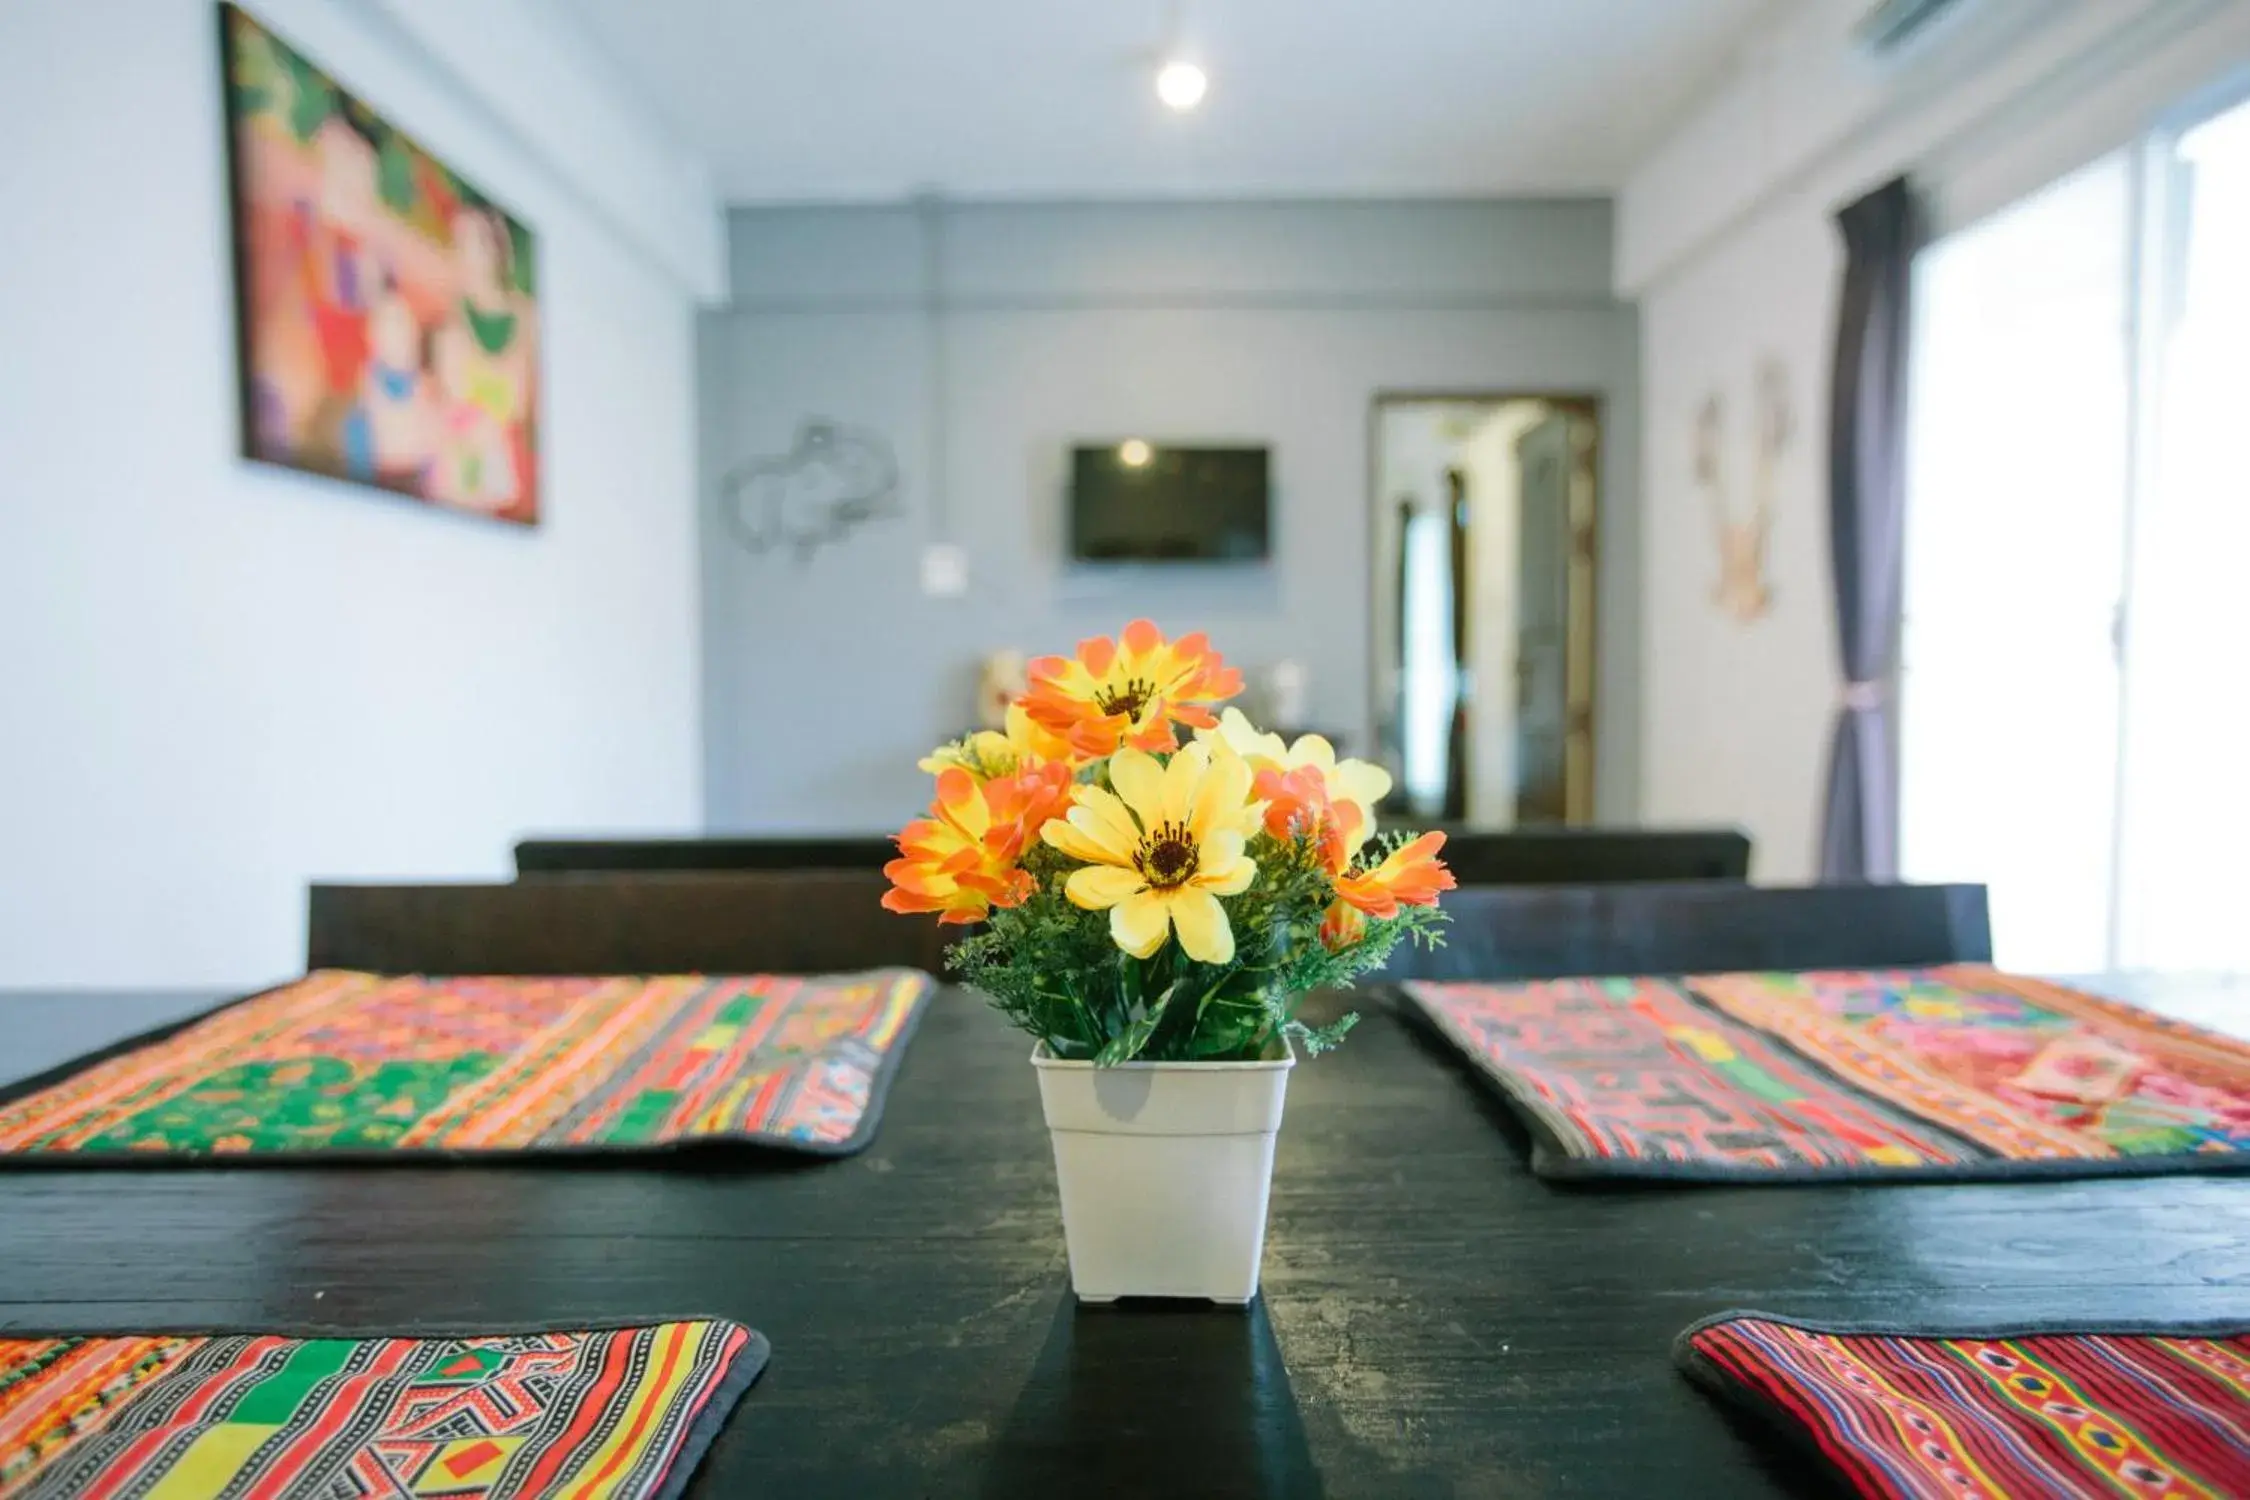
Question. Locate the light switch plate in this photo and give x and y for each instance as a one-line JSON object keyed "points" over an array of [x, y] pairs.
{"points": [[945, 570]]}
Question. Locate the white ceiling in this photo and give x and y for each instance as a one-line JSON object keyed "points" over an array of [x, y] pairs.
{"points": [[877, 99]]}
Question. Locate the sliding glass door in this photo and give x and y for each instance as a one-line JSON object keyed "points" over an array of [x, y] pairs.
{"points": [[2015, 534], [2076, 658], [2183, 888]]}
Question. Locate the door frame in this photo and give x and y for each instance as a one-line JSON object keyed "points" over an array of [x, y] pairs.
{"points": [[1583, 653]]}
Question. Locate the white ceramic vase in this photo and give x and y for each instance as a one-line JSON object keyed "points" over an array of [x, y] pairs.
{"points": [[1164, 1169]]}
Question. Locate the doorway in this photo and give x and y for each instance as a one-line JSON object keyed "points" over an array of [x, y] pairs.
{"points": [[1483, 550]]}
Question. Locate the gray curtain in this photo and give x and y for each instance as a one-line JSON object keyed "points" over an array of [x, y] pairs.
{"points": [[1866, 522]]}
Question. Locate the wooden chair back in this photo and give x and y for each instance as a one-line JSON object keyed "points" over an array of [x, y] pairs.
{"points": [[830, 921], [1597, 856], [1690, 927], [756, 922], [622, 856], [1558, 856]]}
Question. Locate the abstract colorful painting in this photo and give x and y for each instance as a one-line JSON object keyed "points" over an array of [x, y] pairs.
{"points": [[615, 1412], [387, 311], [1953, 1072]]}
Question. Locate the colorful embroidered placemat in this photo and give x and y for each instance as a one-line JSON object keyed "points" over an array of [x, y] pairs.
{"points": [[350, 1066], [1994, 1415], [1955, 1072], [622, 1413]]}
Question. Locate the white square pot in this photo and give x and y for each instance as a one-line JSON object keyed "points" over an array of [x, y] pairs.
{"points": [[1164, 1170]]}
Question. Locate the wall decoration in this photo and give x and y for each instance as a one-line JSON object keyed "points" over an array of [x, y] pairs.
{"points": [[387, 311], [1743, 590], [832, 480], [1005, 677]]}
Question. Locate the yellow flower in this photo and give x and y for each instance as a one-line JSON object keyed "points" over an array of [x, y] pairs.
{"points": [[1351, 787], [991, 752], [983, 755], [1162, 849], [1246, 738]]}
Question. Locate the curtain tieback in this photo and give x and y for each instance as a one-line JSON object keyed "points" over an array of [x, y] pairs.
{"points": [[1862, 697]]}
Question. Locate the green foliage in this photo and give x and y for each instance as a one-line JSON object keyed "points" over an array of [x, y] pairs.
{"points": [[520, 270], [312, 98], [394, 173], [1053, 970], [256, 82]]}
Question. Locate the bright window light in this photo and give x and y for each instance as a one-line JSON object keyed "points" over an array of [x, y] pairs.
{"points": [[2015, 534]]}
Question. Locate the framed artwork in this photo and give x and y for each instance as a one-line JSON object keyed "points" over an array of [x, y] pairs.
{"points": [[387, 311]]}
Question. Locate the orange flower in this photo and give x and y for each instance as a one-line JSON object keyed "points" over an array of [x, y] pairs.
{"points": [[966, 857], [1409, 876], [1299, 801], [1307, 788], [1023, 803], [1340, 925], [1129, 691]]}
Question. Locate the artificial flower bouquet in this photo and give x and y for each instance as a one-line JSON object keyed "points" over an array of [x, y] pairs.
{"points": [[1150, 897]]}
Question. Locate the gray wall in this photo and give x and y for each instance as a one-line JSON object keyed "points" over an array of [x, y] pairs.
{"points": [[1272, 323]]}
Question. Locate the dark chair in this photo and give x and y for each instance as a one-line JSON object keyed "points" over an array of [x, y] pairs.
{"points": [[760, 922], [602, 856], [1694, 927], [1596, 856], [1556, 856]]}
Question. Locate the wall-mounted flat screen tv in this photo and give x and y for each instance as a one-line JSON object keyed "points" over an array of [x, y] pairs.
{"points": [[1139, 501]]}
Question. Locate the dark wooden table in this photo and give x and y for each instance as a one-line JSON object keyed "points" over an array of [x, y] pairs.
{"points": [[1436, 1321]]}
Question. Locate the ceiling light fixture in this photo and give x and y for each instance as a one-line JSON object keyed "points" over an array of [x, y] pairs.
{"points": [[1181, 84], [1134, 453]]}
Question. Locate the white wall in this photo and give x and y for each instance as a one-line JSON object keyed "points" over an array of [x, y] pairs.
{"points": [[532, 73], [1725, 236], [1734, 715], [1266, 323], [221, 680]]}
